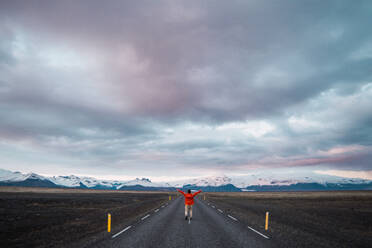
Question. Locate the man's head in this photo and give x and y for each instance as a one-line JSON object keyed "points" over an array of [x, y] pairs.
{"points": [[189, 191]]}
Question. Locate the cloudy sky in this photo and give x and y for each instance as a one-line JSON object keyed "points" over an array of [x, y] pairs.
{"points": [[177, 89]]}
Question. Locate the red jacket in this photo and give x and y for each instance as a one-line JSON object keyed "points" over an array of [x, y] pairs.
{"points": [[189, 198]]}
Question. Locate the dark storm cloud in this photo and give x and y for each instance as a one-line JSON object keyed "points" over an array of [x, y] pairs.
{"points": [[236, 41], [141, 67]]}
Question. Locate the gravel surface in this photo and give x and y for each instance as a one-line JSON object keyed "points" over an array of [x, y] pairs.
{"points": [[305, 219], [68, 219]]}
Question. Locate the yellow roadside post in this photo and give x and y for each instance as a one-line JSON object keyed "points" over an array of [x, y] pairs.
{"points": [[170, 197], [109, 223], [204, 197], [267, 221]]}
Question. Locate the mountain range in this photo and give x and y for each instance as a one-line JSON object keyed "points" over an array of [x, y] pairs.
{"points": [[252, 182]]}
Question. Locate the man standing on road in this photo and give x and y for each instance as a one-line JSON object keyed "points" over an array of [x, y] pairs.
{"points": [[189, 201]]}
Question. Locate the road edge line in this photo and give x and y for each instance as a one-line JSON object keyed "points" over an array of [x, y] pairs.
{"points": [[125, 229], [231, 217], [258, 233], [145, 217]]}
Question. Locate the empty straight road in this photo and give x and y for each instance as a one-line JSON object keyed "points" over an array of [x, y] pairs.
{"points": [[167, 227]]}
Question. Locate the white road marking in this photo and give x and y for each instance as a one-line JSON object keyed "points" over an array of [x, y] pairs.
{"points": [[220, 210], [258, 233], [125, 229], [232, 217], [144, 217], [213, 207], [156, 210], [162, 206]]}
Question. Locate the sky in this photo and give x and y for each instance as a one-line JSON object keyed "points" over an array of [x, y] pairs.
{"points": [[178, 89]]}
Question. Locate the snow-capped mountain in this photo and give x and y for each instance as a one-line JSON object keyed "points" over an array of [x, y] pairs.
{"points": [[17, 176], [275, 181], [211, 181], [203, 181], [13, 178], [8, 178], [145, 182], [290, 178], [262, 181], [89, 182]]}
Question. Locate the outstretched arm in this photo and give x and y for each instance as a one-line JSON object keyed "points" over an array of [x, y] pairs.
{"points": [[196, 193], [181, 191]]}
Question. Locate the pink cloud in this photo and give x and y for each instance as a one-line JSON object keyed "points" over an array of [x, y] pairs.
{"points": [[347, 173]]}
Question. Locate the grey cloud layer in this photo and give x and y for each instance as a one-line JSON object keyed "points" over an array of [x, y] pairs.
{"points": [[147, 66]]}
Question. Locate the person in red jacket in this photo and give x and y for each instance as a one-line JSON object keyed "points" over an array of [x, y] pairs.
{"points": [[189, 201]]}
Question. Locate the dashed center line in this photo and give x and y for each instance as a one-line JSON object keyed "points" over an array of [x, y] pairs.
{"points": [[156, 210], [125, 229], [220, 210], [213, 207], [258, 233], [144, 217], [233, 218], [162, 206]]}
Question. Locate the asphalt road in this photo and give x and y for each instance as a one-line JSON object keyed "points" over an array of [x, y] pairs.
{"points": [[167, 227]]}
